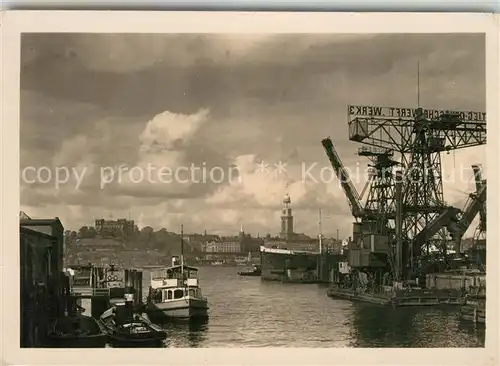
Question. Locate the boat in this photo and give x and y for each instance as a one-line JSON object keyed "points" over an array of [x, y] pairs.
{"points": [[175, 292], [124, 325], [76, 331], [256, 271]]}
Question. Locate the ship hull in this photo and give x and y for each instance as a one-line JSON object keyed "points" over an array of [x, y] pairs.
{"points": [[184, 308], [288, 266], [296, 266]]}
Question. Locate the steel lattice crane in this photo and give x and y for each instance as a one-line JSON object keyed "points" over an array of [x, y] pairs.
{"points": [[480, 231], [419, 137]]}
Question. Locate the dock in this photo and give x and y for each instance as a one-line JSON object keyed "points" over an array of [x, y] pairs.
{"points": [[97, 288], [399, 298]]}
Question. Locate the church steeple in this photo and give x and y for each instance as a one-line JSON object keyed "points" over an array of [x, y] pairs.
{"points": [[286, 219]]}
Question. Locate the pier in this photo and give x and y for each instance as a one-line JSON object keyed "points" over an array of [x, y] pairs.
{"points": [[49, 291], [104, 288]]}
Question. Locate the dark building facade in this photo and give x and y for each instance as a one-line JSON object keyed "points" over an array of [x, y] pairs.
{"points": [[41, 277], [55, 229]]}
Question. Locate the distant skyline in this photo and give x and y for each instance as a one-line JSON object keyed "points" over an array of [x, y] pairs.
{"points": [[255, 105]]}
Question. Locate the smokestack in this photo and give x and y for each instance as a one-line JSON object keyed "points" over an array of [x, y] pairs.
{"points": [[175, 260]]}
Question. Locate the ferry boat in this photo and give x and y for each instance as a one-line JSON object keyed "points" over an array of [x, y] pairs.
{"points": [[175, 292]]}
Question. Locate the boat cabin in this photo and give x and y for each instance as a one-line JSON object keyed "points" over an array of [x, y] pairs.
{"points": [[163, 295], [175, 276], [175, 282]]}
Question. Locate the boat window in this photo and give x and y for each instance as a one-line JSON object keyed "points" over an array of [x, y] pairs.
{"points": [[179, 293], [169, 294], [192, 292]]}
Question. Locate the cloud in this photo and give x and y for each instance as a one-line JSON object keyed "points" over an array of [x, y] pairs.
{"points": [[170, 163], [228, 101]]}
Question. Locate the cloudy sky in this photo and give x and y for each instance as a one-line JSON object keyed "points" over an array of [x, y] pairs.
{"points": [[93, 103]]}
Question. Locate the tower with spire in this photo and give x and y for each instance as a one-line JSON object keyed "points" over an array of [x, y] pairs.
{"points": [[241, 235], [286, 219]]}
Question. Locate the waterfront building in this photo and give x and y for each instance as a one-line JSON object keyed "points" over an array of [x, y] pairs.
{"points": [[41, 281], [225, 245]]}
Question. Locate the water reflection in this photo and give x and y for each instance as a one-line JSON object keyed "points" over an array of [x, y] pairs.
{"points": [[269, 314], [380, 326], [189, 333]]}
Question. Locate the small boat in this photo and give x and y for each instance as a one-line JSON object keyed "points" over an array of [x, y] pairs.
{"points": [[175, 293], [124, 325], [76, 331], [256, 271]]}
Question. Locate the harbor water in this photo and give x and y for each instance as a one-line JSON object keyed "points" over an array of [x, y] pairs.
{"points": [[248, 312]]}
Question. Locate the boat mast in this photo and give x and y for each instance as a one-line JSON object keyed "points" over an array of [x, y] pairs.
{"points": [[320, 233], [182, 250]]}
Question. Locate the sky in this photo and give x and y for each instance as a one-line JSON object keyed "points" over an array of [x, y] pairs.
{"points": [[211, 131]]}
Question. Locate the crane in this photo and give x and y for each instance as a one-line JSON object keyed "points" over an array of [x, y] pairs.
{"points": [[418, 136], [479, 182], [350, 191]]}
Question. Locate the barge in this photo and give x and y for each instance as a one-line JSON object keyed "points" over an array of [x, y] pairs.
{"points": [[447, 288], [405, 296]]}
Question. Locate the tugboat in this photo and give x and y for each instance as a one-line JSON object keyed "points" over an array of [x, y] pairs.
{"points": [[125, 325], [175, 292], [256, 271]]}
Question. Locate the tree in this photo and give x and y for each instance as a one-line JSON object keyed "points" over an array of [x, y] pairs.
{"points": [[83, 231], [87, 232], [92, 232], [147, 230], [67, 237]]}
